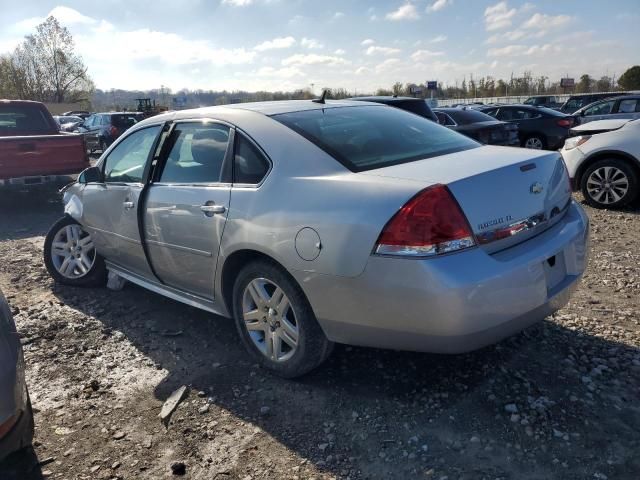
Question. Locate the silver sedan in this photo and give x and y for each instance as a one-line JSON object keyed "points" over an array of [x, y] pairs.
{"points": [[312, 223], [16, 417]]}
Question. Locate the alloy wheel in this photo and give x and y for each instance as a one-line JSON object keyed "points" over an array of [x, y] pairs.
{"points": [[607, 185], [72, 252], [270, 319], [534, 143]]}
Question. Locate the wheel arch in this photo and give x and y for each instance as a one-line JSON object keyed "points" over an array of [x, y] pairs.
{"points": [[602, 155], [233, 264]]}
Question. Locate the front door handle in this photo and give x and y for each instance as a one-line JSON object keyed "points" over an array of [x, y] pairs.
{"points": [[210, 209], [128, 205]]}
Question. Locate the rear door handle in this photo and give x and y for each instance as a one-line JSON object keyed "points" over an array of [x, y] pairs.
{"points": [[128, 205]]}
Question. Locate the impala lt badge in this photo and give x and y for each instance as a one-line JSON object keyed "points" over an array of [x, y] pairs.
{"points": [[536, 188]]}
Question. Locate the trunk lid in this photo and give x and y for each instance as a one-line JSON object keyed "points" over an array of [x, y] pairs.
{"points": [[507, 194]]}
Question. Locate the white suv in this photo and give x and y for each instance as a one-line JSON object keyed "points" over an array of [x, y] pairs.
{"points": [[605, 166]]}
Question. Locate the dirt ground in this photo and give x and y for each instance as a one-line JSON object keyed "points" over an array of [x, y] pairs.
{"points": [[558, 401]]}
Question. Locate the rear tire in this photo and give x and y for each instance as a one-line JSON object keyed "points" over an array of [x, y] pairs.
{"points": [[535, 142], [275, 321], [609, 183], [70, 257]]}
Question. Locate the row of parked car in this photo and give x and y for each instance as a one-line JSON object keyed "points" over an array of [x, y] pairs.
{"points": [[289, 216], [99, 129]]}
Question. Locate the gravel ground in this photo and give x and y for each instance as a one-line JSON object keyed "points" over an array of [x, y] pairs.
{"points": [[558, 401]]}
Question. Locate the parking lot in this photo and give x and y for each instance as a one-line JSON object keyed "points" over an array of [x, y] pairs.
{"points": [[559, 400]]}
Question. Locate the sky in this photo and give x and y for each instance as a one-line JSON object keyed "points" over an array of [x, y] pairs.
{"points": [[361, 46]]}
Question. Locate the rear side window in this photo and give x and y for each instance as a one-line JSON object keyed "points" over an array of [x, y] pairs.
{"points": [[629, 106], [603, 108], [123, 121], [249, 165], [369, 137], [23, 119], [197, 153]]}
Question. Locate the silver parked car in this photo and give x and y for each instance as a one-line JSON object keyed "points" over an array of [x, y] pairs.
{"points": [[16, 417], [312, 223]]}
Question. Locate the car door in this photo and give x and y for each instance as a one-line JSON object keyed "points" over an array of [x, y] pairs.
{"points": [[89, 132], [187, 204], [110, 208]]}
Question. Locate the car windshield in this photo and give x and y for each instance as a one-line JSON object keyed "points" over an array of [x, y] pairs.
{"points": [[465, 117], [368, 137]]}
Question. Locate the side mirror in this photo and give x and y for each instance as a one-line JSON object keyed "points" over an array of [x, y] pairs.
{"points": [[90, 175]]}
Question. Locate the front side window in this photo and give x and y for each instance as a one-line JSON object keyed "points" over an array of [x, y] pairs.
{"points": [[197, 153], [603, 108], [249, 165], [125, 163], [369, 137]]}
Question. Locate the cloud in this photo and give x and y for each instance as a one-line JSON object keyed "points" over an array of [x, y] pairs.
{"points": [[423, 55], [438, 5], [286, 72], [276, 43], [237, 3], [376, 50], [541, 20], [310, 43], [362, 70], [438, 39], [388, 64], [406, 12], [339, 51], [314, 59], [366, 42], [522, 50], [498, 16], [338, 15]]}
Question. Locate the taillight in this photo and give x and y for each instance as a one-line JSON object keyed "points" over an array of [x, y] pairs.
{"points": [[114, 131], [431, 223], [565, 122]]}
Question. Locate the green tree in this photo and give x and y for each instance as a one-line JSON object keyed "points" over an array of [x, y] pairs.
{"points": [[585, 84], [630, 80]]}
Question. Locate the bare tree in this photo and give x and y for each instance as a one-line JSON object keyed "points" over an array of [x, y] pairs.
{"points": [[45, 66]]}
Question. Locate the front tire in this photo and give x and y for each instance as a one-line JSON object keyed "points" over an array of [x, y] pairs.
{"points": [[609, 183], [275, 321], [70, 256]]}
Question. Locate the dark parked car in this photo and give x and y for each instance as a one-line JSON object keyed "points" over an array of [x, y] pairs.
{"points": [[414, 105], [101, 129], [16, 416], [623, 107], [478, 125], [576, 102], [68, 123], [538, 127], [549, 101]]}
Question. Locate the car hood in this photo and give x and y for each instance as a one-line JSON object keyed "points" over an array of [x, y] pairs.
{"points": [[601, 125]]}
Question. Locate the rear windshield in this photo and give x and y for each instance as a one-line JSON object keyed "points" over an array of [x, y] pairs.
{"points": [[23, 119], [124, 121], [368, 137], [465, 117]]}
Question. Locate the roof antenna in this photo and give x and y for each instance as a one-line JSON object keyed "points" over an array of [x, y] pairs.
{"points": [[322, 97]]}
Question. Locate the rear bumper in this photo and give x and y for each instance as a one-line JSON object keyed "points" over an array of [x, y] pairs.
{"points": [[20, 436], [37, 180], [454, 303]]}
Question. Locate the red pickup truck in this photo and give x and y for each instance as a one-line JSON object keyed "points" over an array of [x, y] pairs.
{"points": [[32, 149]]}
